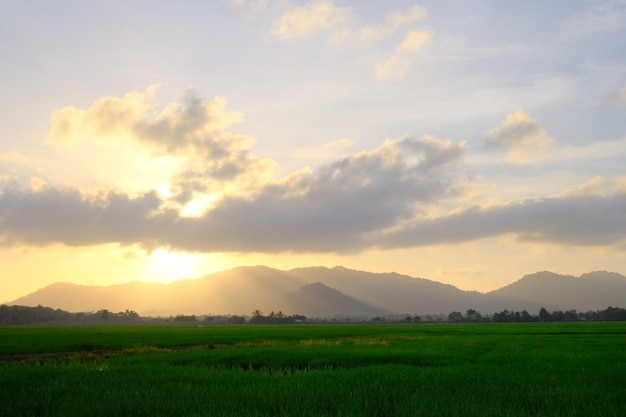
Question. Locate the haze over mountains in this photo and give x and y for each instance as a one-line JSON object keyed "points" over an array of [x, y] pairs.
{"points": [[328, 292]]}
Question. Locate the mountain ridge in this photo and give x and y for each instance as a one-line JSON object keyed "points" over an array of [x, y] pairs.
{"points": [[241, 290]]}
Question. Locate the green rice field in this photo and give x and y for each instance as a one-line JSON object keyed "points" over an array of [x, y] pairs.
{"points": [[535, 369]]}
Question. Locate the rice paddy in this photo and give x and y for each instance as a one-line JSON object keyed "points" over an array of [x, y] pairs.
{"points": [[537, 369]]}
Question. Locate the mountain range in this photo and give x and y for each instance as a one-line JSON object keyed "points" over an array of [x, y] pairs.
{"points": [[331, 292]]}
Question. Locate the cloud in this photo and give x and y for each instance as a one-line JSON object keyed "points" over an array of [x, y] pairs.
{"points": [[340, 207], [380, 198], [597, 186], [393, 22], [193, 131], [314, 17], [337, 207], [398, 63], [521, 136], [614, 99], [65, 215], [177, 127], [339, 23], [572, 220]]}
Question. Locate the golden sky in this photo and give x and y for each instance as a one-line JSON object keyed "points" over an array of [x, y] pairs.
{"points": [[469, 143]]}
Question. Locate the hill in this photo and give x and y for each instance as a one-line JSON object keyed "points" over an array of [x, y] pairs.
{"points": [[590, 291], [319, 291]]}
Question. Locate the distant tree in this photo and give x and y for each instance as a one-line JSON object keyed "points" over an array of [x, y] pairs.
{"points": [[544, 315], [236, 319], [504, 316], [472, 315], [182, 317], [526, 317], [257, 317], [103, 314], [455, 317]]}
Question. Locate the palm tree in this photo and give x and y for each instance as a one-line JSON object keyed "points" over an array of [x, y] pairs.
{"points": [[257, 316]]}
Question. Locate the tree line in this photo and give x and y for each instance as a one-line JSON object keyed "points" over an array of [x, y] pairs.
{"points": [[42, 315], [506, 316]]}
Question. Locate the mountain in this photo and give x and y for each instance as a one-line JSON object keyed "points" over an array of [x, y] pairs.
{"points": [[591, 291], [319, 300], [319, 291]]}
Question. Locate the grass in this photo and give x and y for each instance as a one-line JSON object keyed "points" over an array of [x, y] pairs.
{"points": [[344, 370]]}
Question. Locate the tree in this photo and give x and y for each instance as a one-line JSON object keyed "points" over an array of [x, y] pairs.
{"points": [[236, 319], [472, 315], [257, 317], [544, 315], [104, 314], [455, 316]]}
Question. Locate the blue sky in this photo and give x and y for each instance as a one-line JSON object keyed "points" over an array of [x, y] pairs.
{"points": [[469, 142]]}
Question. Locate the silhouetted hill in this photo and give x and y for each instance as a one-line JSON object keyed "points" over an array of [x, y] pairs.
{"points": [[338, 291], [78, 298], [319, 300], [591, 291], [392, 292]]}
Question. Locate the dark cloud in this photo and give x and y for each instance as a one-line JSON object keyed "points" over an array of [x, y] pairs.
{"points": [[583, 220], [379, 198], [337, 208], [65, 216]]}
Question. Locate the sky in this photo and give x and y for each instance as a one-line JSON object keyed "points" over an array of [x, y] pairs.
{"points": [[467, 142]]}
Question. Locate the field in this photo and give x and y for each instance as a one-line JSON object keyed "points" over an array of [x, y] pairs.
{"points": [[315, 370]]}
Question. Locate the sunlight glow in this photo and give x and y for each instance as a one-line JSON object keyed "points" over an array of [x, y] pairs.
{"points": [[168, 266], [197, 207]]}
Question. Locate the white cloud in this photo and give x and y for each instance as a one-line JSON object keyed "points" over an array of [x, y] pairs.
{"points": [[314, 17], [398, 63], [521, 136], [192, 132], [393, 22]]}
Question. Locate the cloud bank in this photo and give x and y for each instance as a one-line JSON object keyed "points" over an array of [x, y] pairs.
{"points": [[407, 192]]}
